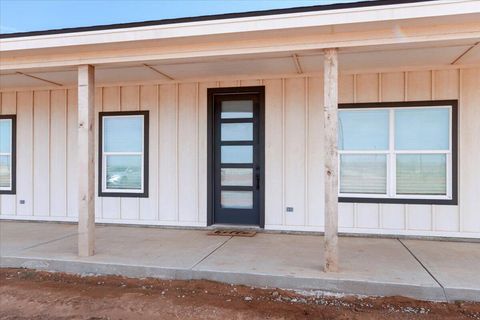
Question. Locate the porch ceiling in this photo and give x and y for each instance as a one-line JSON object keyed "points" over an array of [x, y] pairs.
{"points": [[352, 60]]}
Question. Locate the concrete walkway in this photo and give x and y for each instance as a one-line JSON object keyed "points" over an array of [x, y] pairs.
{"points": [[430, 270]]}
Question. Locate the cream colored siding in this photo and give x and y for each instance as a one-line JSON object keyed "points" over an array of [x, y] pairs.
{"points": [[470, 151], [46, 178]]}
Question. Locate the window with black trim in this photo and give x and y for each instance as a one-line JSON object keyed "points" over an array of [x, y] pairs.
{"points": [[7, 154], [123, 154], [401, 152]]}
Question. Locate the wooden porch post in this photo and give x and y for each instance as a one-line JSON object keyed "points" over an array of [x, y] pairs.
{"points": [[330, 86], [86, 165]]}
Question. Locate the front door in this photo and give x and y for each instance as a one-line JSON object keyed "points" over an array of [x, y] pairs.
{"points": [[237, 144]]}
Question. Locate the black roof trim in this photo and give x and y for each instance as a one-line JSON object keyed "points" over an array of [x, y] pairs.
{"points": [[334, 6]]}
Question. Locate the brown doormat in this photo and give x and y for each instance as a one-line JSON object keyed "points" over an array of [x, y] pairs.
{"points": [[232, 233]]}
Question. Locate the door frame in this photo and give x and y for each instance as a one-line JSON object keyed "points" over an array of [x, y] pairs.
{"points": [[211, 93]]}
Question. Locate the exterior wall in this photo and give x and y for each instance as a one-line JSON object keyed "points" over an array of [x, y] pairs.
{"points": [[46, 149]]}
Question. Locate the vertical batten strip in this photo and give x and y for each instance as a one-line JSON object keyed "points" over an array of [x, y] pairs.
{"points": [[177, 186], [380, 99], [66, 152], [283, 151], [33, 153], [119, 92], [405, 84], [197, 147], [49, 104], [100, 181], [354, 79], [158, 152], [460, 147], [433, 222], [307, 107], [15, 195], [139, 216], [355, 95], [432, 93]]}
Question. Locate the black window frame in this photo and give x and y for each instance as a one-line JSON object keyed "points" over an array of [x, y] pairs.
{"points": [[422, 103], [13, 189], [146, 129]]}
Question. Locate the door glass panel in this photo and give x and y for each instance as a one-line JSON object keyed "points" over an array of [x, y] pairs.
{"points": [[237, 199], [237, 109], [237, 177], [237, 131], [422, 174], [237, 154]]}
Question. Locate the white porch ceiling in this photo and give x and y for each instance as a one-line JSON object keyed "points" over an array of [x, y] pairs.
{"points": [[357, 60]]}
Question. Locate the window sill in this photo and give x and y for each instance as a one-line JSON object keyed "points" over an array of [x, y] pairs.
{"points": [[451, 202], [122, 195]]}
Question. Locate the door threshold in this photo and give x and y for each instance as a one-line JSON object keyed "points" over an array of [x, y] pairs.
{"points": [[221, 226]]}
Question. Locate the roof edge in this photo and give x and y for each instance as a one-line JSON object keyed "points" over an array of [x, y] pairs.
{"points": [[223, 16]]}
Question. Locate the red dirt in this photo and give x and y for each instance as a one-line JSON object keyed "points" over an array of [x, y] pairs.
{"points": [[28, 294]]}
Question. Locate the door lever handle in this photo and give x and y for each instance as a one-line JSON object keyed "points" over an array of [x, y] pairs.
{"points": [[257, 176]]}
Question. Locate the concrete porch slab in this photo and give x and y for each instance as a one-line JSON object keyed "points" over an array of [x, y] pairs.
{"points": [[368, 266], [14, 237], [456, 266]]}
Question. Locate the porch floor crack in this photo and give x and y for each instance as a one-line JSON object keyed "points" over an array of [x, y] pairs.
{"points": [[208, 255], [425, 268]]}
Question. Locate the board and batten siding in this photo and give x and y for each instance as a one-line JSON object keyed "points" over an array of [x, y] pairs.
{"points": [[46, 149]]}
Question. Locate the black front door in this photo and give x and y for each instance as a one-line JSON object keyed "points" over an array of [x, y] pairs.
{"points": [[237, 149]]}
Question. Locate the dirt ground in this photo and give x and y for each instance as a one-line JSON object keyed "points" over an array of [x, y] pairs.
{"points": [[27, 294]]}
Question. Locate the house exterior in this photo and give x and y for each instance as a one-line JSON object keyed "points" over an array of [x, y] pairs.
{"points": [[232, 119]]}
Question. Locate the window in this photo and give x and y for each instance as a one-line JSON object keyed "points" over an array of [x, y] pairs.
{"points": [[123, 154], [398, 152], [7, 154]]}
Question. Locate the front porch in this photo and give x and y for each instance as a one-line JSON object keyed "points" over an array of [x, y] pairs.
{"points": [[413, 268]]}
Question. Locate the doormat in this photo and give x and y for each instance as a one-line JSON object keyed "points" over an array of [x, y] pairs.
{"points": [[232, 233]]}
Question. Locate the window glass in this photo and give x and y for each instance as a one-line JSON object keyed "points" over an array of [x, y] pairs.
{"points": [[363, 130], [5, 135], [422, 129], [421, 174], [5, 171], [124, 172], [123, 134], [365, 174]]}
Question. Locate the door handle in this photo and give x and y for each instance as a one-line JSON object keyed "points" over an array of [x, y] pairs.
{"points": [[257, 178]]}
